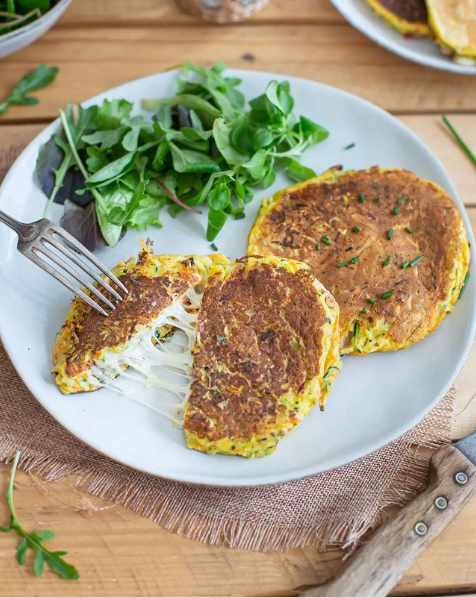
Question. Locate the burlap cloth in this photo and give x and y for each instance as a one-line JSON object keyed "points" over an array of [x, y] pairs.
{"points": [[333, 509]]}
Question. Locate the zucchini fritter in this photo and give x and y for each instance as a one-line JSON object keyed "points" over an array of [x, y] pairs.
{"points": [[87, 337], [266, 352], [409, 17], [259, 347], [453, 23], [390, 246]]}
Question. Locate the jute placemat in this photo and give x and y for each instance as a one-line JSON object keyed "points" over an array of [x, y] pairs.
{"points": [[333, 509]]}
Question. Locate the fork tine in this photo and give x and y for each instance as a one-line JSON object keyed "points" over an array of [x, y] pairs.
{"points": [[74, 258], [62, 264], [31, 255], [75, 243]]}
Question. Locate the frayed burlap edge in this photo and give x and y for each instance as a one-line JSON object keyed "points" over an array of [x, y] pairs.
{"points": [[409, 478]]}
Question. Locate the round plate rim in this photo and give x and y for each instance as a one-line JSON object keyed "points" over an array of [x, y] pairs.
{"points": [[442, 65], [332, 463]]}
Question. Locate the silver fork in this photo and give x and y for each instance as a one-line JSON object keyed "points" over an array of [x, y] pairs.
{"points": [[33, 241]]}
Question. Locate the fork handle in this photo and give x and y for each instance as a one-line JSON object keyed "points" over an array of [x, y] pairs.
{"points": [[25, 232]]}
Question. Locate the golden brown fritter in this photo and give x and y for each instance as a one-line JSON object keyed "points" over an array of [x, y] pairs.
{"points": [[390, 246], [266, 352], [409, 17], [453, 23], [154, 283]]}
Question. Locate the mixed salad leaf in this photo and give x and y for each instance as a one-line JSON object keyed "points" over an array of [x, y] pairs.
{"points": [[17, 13], [202, 147]]}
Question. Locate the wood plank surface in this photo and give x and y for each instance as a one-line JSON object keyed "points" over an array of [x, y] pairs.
{"points": [[119, 553], [148, 12], [102, 43], [93, 59]]}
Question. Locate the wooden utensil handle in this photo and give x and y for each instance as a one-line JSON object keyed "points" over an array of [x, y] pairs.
{"points": [[377, 567]]}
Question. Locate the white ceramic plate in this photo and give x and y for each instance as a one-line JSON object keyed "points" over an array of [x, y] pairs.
{"points": [[421, 50], [374, 400]]}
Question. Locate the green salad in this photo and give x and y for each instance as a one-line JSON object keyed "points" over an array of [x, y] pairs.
{"points": [[17, 13], [203, 147]]}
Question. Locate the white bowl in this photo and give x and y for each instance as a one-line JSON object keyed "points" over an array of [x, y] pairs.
{"points": [[20, 38]]}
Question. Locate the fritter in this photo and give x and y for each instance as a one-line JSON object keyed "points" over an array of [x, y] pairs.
{"points": [[409, 17], [266, 352], [453, 23], [391, 247], [155, 284], [236, 353]]}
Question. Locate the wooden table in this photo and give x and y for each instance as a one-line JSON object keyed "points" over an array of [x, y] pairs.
{"points": [[101, 43]]}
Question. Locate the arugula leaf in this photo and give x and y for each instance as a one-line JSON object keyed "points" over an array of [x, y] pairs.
{"points": [[111, 114], [256, 166], [191, 161], [34, 540], [216, 221], [206, 111], [112, 171], [106, 139], [222, 135], [278, 94], [298, 172], [37, 79], [219, 197]]}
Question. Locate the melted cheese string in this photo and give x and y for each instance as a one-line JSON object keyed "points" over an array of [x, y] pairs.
{"points": [[154, 371]]}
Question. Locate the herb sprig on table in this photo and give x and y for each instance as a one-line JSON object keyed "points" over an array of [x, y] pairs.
{"points": [[37, 79], [203, 147], [34, 540]]}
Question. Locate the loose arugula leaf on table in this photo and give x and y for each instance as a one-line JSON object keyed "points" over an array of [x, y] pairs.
{"points": [[37, 79], [34, 540], [202, 147]]}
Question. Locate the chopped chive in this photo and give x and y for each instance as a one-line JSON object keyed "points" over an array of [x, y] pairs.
{"points": [[371, 301], [326, 240], [240, 216], [363, 310], [376, 185], [221, 339], [356, 329], [214, 247], [356, 229], [355, 259], [361, 198], [318, 247], [350, 146], [402, 199], [386, 262], [460, 141], [466, 278], [417, 260], [409, 230], [342, 264], [395, 211], [386, 294], [333, 367], [377, 199], [390, 234], [405, 265]]}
